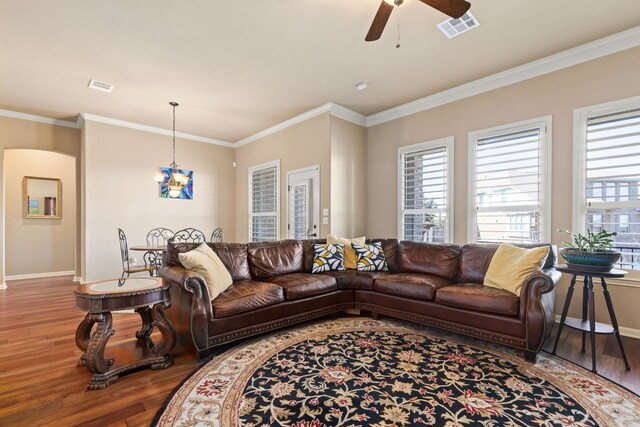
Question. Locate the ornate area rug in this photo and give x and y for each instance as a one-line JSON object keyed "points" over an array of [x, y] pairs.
{"points": [[363, 372]]}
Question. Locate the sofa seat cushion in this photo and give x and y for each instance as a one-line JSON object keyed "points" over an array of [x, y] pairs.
{"points": [[474, 296], [246, 295], [411, 285], [352, 279], [303, 285]]}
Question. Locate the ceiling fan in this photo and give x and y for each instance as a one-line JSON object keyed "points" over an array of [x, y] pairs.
{"points": [[453, 8]]}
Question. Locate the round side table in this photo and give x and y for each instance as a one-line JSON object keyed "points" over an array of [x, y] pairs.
{"points": [[588, 322], [149, 298]]}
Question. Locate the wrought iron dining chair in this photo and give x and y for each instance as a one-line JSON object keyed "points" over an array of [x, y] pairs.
{"points": [[127, 268], [189, 235], [217, 235], [159, 236]]}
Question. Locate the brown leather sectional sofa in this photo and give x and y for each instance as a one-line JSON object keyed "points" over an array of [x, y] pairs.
{"points": [[437, 285]]}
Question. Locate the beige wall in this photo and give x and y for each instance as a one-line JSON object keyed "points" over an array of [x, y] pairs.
{"points": [[120, 191], [15, 133], [299, 146], [558, 94], [348, 178], [39, 245]]}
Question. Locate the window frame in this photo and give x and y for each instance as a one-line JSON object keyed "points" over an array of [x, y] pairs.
{"points": [[544, 123], [251, 215], [448, 144], [579, 205]]}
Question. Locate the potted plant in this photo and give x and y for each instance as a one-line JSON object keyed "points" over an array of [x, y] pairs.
{"points": [[592, 250]]}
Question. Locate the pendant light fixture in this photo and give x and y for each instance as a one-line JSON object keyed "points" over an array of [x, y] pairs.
{"points": [[177, 180]]}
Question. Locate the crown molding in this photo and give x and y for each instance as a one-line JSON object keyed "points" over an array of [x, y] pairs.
{"points": [[283, 125], [40, 119], [344, 113], [152, 129], [332, 108], [602, 47]]}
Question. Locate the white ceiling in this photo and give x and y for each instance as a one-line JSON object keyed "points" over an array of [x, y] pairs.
{"points": [[240, 66]]}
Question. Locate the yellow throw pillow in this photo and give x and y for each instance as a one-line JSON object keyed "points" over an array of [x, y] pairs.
{"points": [[511, 265], [349, 254], [204, 261]]}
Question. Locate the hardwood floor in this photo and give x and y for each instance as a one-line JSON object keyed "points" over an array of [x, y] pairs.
{"points": [[40, 383]]}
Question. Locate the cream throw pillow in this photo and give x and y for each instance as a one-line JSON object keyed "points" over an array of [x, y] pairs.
{"points": [[511, 265], [204, 261], [350, 259]]}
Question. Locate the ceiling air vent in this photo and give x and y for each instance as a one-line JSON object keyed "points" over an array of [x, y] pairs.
{"points": [[105, 87], [455, 26]]}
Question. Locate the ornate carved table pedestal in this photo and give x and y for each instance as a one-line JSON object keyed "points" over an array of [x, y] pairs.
{"points": [[588, 322], [149, 297]]}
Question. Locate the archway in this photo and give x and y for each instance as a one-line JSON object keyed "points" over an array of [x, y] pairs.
{"points": [[46, 246]]}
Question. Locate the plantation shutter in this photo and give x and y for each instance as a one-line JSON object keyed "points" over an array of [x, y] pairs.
{"points": [[612, 178], [508, 186], [263, 204], [424, 195]]}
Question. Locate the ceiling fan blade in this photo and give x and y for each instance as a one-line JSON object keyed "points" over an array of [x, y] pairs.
{"points": [[453, 8], [379, 21]]}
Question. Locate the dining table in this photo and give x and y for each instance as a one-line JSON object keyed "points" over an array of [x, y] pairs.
{"points": [[153, 253]]}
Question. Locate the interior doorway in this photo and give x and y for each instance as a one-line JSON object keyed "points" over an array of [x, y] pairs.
{"points": [[303, 203]]}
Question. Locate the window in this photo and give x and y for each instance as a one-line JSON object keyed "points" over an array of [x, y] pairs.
{"points": [[607, 155], [623, 223], [426, 191], [509, 183], [264, 202], [596, 223]]}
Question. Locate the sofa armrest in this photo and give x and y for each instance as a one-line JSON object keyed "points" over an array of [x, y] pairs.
{"points": [[537, 303], [190, 310]]}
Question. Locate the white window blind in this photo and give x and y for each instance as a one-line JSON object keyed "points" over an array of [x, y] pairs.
{"points": [[263, 202], [612, 176], [425, 192], [509, 177]]}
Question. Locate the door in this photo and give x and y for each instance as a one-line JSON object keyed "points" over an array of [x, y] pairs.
{"points": [[303, 203]]}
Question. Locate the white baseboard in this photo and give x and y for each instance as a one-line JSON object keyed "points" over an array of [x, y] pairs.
{"points": [[40, 275], [78, 279], [627, 332], [3, 286]]}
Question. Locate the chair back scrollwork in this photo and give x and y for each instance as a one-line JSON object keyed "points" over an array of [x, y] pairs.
{"points": [[217, 235], [159, 236], [189, 235]]}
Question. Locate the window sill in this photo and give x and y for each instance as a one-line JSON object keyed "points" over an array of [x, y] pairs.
{"points": [[631, 282]]}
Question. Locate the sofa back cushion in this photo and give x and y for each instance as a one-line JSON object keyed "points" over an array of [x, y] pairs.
{"points": [[428, 258], [307, 253], [475, 259], [390, 249], [233, 256], [269, 259]]}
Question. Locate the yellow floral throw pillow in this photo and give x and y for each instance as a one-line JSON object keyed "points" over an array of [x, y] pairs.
{"points": [[327, 257], [370, 257]]}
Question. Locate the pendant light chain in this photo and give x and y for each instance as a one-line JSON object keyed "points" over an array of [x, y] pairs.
{"points": [[174, 105]]}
